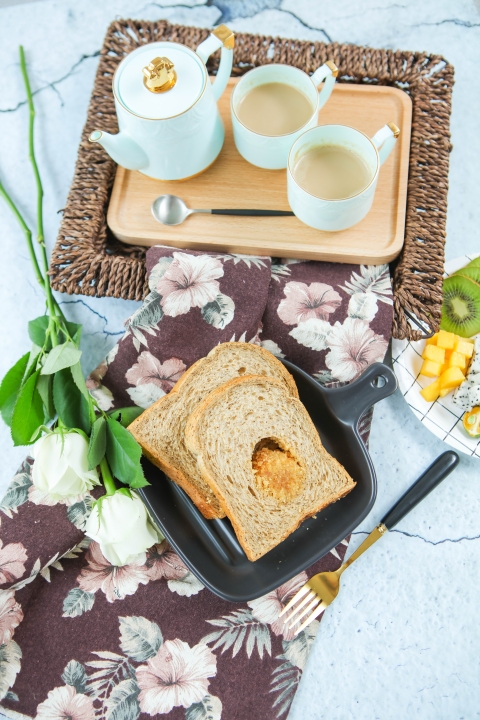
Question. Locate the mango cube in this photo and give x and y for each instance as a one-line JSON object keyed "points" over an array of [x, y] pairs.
{"points": [[458, 360], [431, 392], [430, 368], [465, 347], [446, 340], [442, 393], [432, 340], [432, 352], [451, 378]]}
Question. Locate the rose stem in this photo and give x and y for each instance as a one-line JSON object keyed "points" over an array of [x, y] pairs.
{"points": [[107, 476], [51, 303]]}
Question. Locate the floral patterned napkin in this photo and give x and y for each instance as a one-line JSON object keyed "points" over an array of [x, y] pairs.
{"points": [[196, 301], [82, 639]]}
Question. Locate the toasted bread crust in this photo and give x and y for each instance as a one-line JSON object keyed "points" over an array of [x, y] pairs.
{"points": [[208, 512], [269, 357], [138, 422]]}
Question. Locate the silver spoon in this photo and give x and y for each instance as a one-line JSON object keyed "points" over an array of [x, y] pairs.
{"points": [[171, 210]]}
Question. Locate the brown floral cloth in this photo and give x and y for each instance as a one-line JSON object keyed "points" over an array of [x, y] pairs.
{"points": [[82, 639]]}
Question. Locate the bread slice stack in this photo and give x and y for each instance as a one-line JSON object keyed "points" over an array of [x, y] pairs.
{"points": [[160, 430], [262, 456], [234, 435]]}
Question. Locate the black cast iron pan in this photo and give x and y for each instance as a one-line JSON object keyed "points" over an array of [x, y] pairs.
{"points": [[210, 548]]}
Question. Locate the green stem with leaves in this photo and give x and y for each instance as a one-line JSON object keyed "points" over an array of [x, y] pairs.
{"points": [[27, 398]]}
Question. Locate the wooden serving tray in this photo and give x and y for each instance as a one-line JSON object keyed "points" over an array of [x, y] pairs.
{"points": [[231, 182]]}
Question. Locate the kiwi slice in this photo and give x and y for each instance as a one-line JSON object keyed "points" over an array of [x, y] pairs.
{"points": [[474, 263], [472, 272], [461, 304]]}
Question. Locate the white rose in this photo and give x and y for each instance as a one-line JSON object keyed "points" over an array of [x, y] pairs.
{"points": [[61, 466], [123, 528]]}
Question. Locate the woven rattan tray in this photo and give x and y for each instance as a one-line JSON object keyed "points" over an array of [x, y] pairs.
{"points": [[88, 260]]}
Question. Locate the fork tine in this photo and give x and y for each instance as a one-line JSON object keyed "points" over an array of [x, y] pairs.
{"points": [[310, 595], [311, 617], [304, 612], [304, 589]]}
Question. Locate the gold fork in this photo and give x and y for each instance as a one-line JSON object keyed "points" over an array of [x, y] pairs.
{"points": [[323, 588]]}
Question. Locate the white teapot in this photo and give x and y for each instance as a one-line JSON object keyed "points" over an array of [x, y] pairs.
{"points": [[170, 126]]}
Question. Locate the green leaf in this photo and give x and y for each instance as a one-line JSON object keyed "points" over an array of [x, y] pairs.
{"points": [[62, 356], [40, 429], [28, 412], [77, 602], [123, 453], [139, 481], [74, 330], [79, 380], [126, 415], [140, 638], [37, 330], [71, 406], [45, 389], [123, 491], [98, 443], [75, 675], [32, 361], [10, 387]]}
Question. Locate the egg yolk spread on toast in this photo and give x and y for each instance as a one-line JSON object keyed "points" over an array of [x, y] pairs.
{"points": [[277, 472]]}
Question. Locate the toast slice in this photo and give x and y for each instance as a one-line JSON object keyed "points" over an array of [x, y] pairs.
{"points": [[160, 429], [262, 457]]}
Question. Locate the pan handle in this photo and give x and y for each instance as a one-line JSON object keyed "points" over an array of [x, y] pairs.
{"points": [[349, 403]]}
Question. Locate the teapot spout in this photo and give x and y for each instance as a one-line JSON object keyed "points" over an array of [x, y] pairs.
{"points": [[122, 149]]}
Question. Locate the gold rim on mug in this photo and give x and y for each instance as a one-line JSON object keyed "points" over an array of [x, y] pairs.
{"points": [[270, 66], [334, 199], [170, 117]]}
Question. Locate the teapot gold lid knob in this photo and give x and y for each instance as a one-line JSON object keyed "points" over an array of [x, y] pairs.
{"points": [[159, 75]]}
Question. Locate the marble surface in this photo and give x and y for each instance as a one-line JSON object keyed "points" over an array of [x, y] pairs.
{"points": [[402, 639]]}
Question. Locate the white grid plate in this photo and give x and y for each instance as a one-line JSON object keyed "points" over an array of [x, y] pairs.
{"points": [[443, 418]]}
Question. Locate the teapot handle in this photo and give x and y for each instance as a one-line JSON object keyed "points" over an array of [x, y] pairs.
{"points": [[384, 140], [221, 37]]}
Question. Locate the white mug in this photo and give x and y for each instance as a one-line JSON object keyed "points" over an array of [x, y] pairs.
{"points": [[268, 151], [339, 214]]}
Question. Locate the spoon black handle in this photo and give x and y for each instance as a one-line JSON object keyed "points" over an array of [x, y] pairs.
{"points": [[269, 213], [432, 477]]}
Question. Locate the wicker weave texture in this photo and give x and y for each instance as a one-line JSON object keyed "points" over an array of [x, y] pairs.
{"points": [[88, 260]]}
